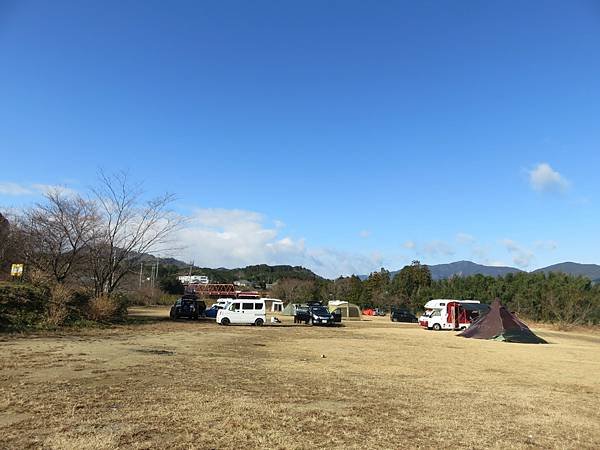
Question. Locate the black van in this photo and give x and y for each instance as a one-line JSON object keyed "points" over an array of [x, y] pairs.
{"points": [[403, 315], [187, 306]]}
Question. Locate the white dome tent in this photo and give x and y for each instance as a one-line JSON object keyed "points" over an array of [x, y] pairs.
{"points": [[348, 310]]}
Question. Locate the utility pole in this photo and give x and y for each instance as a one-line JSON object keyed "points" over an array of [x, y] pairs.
{"points": [[152, 276], [141, 273]]}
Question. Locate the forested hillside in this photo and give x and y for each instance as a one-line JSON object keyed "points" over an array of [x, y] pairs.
{"points": [[552, 297], [261, 274]]}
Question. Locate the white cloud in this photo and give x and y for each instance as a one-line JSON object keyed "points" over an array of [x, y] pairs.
{"points": [[16, 189], [409, 245], [497, 263], [464, 238], [521, 256], [364, 234], [543, 178], [13, 189], [437, 248], [481, 253], [235, 238], [46, 188], [545, 245]]}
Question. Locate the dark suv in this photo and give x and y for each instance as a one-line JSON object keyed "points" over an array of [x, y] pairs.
{"points": [[314, 314], [403, 315], [187, 306]]}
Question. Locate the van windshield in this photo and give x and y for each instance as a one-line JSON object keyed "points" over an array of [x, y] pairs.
{"points": [[320, 310]]}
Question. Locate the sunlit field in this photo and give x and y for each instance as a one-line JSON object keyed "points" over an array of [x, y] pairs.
{"points": [[371, 384]]}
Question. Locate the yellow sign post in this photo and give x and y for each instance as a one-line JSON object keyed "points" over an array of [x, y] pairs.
{"points": [[16, 270]]}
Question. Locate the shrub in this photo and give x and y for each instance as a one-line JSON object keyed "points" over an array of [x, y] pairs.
{"points": [[106, 307], [22, 305], [58, 305], [150, 297], [171, 286]]}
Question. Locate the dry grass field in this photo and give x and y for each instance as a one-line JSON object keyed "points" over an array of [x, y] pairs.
{"points": [[184, 385]]}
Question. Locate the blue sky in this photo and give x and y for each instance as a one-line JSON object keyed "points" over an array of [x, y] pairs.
{"points": [[338, 135]]}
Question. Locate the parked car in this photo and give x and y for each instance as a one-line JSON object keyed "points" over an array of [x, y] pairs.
{"points": [[249, 311], [211, 312], [379, 312], [187, 306], [403, 315], [314, 314]]}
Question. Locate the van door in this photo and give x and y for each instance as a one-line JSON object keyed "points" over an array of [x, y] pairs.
{"points": [[235, 312], [247, 312], [260, 311]]}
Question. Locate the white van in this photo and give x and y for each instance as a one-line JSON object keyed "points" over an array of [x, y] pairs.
{"points": [[249, 311]]}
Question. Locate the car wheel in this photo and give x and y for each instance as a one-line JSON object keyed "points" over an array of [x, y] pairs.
{"points": [[225, 321], [259, 322], [437, 327]]}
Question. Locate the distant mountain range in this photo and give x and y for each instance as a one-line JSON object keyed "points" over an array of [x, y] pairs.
{"points": [[466, 268], [266, 273], [591, 271]]}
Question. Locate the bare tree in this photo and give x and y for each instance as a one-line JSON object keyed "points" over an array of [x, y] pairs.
{"points": [[55, 234], [129, 229], [5, 244], [294, 291]]}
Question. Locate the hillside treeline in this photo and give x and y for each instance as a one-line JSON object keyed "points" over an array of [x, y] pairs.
{"points": [[555, 297], [259, 275]]}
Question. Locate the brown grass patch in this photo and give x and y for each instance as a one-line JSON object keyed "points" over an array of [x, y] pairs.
{"points": [[193, 384]]}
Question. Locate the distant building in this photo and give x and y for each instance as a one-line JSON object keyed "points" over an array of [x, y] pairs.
{"points": [[193, 279], [243, 283]]}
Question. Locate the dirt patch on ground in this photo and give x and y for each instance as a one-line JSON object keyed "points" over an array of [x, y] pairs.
{"points": [[163, 384]]}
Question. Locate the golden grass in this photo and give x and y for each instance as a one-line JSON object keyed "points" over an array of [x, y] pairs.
{"points": [[381, 385]]}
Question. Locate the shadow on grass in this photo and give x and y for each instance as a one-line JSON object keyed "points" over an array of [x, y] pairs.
{"points": [[140, 319]]}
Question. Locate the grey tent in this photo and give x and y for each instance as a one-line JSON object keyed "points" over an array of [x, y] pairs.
{"points": [[290, 309], [501, 325]]}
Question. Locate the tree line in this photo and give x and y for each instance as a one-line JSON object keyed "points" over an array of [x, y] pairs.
{"points": [[554, 297]]}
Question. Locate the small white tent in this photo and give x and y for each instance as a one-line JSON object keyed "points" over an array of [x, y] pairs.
{"points": [[347, 309], [273, 304], [290, 309]]}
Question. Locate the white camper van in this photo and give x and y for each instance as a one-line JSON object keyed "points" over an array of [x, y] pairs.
{"points": [[248, 311], [448, 314]]}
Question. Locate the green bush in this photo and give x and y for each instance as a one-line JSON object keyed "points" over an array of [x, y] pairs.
{"points": [[171, 285], [22, 305]]}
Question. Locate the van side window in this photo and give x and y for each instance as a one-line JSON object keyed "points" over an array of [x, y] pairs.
{"points": [[259, 306], [234, 307], [247, 306]]}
